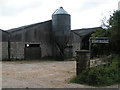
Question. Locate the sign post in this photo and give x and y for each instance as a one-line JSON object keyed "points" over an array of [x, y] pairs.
{"points": [[104, 40]]}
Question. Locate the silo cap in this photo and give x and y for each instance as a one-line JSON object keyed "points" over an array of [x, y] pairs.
{"points": [[60, 11]]}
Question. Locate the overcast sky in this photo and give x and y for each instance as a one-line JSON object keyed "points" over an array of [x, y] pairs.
{"points": [[84, 13]]}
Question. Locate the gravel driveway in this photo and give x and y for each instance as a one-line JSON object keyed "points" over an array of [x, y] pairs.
{"points": [[39, 74]]}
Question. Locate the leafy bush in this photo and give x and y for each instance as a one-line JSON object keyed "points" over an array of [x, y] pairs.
{"points": [[100, 75]]}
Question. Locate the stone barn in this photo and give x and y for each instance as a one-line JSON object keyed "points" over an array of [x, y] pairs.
{"points": [[80, 39], [31, 42], [52, 38], [4, 52]]}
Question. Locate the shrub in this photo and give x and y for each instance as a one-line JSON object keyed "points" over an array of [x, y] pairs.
{"points": [[100, 75]]}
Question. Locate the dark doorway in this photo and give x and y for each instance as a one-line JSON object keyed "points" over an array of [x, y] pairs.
{"points": [[32, 51]]}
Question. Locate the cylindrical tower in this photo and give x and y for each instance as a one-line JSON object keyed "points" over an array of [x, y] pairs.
{"points": [[61, 26], [119, 5]]}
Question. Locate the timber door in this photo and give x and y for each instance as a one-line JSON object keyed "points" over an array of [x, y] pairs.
{"points": [[32, 51]]}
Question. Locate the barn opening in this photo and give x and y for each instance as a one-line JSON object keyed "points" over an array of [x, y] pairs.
{"points": [[32, 51]]}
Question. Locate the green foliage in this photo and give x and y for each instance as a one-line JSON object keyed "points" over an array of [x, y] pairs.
{"points": [[114, 29], [101, 75], [114, 20], [100, 32], [97, 48]]}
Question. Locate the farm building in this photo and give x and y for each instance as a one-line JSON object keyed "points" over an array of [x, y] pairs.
{"points": [[52, 38]]}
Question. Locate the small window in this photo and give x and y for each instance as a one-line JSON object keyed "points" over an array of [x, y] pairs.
{"points": [[32, 45]]}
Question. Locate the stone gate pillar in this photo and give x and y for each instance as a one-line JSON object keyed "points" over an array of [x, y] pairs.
{"points": [[82, 61]]}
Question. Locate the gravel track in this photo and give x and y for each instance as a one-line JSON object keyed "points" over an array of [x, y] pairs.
{"points": [[39, 74]]}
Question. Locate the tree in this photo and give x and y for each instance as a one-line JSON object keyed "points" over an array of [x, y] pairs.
{"points": [[99, 49], [100, 32], [114, 29]]}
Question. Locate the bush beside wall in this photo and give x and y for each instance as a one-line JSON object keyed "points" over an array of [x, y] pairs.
{"points": [[100, 75]]}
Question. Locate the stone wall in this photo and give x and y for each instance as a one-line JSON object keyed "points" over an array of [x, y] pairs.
{"points": [[0, 51], [0, 44], [76, 43], [99, 61], [76, 47], [3, 45], [17, 49], [4, 50], [46, 49], [82, 61], [68, 52], [40, 33]]}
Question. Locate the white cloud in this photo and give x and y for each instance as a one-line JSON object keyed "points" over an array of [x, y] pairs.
{"points": [[84, 13], [13, 7]]}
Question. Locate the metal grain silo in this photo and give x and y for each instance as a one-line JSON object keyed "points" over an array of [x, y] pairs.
{"points": [[61, 26]]}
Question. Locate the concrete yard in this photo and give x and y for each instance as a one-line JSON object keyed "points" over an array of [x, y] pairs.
{"points": [[39, 74]]}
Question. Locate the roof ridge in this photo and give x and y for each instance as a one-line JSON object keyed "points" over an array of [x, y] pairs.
{"points": [[22, 27]]}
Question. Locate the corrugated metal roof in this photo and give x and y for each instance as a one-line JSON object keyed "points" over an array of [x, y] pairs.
{"points": [[26, 26], [60, 11], [3, 31], [85, 31]]}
